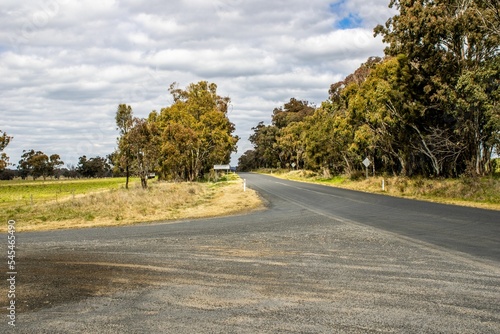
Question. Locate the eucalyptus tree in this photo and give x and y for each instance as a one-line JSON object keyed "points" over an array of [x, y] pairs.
{"points": [[38, 164], [143, 140], [124, 122], [453, 59], [4, 141], [195, 132]]}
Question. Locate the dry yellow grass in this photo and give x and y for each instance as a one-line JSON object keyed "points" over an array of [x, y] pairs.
{"points": [[473, 192], [162, 201]]}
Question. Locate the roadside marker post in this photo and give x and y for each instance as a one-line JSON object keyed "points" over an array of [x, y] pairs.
{"points": [[244, 185]]}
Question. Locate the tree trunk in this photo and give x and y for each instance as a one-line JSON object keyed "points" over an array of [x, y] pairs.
{"points": [[348, 165], [144, 182], [373, 165], [404, 170], [127, 172]]}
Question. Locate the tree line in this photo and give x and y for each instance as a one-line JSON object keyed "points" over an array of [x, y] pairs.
{"points": [[429, 107], [37, 164], [181, 142]]}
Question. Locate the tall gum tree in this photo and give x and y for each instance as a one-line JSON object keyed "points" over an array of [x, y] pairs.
{"points": [[196, 132], [446, 41], [143, 140], [4, 141], [124, 122]]}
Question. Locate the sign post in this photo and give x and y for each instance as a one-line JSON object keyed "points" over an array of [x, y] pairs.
{"points": [[367, 164], [217, 168]]}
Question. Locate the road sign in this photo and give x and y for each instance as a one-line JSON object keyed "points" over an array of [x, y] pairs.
{"points": [[367, 163], [222, 167]]}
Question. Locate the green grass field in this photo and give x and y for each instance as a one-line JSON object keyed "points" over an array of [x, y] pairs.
{"points": [[28, 192], [19, 198]]}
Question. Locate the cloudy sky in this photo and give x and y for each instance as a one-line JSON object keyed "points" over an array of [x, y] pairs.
{"points": [[65, 65]]}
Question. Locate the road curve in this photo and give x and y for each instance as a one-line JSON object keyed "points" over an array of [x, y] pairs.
{"points": [[317, 260], [468, 230]]}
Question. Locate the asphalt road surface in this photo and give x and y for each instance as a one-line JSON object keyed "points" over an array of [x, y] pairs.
{"points": [[317, 260]]}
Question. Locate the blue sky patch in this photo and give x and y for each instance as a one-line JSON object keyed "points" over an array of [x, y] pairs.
{"points": [[336, 7], [349, 22], [346, 20]]}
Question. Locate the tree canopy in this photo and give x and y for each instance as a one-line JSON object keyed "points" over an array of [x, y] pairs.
{"points": [[195, 132], [93, 167], [181, 142], [429, 107], [124, 122], [4, 141], [37, 164]]}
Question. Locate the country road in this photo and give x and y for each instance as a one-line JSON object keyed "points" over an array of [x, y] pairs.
{"points": [[317, 260]]}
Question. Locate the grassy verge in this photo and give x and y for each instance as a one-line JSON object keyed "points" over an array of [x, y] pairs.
{"points": [[113, 205], [474, 192]]}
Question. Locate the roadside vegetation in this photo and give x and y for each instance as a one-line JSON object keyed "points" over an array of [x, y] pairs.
{"points": [[481, 192], [428, 108], [181, 142], [60, 204], [425, 118]]}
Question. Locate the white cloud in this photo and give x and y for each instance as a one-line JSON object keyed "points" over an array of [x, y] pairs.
{"points": [[158, 25], [66, 65]]}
